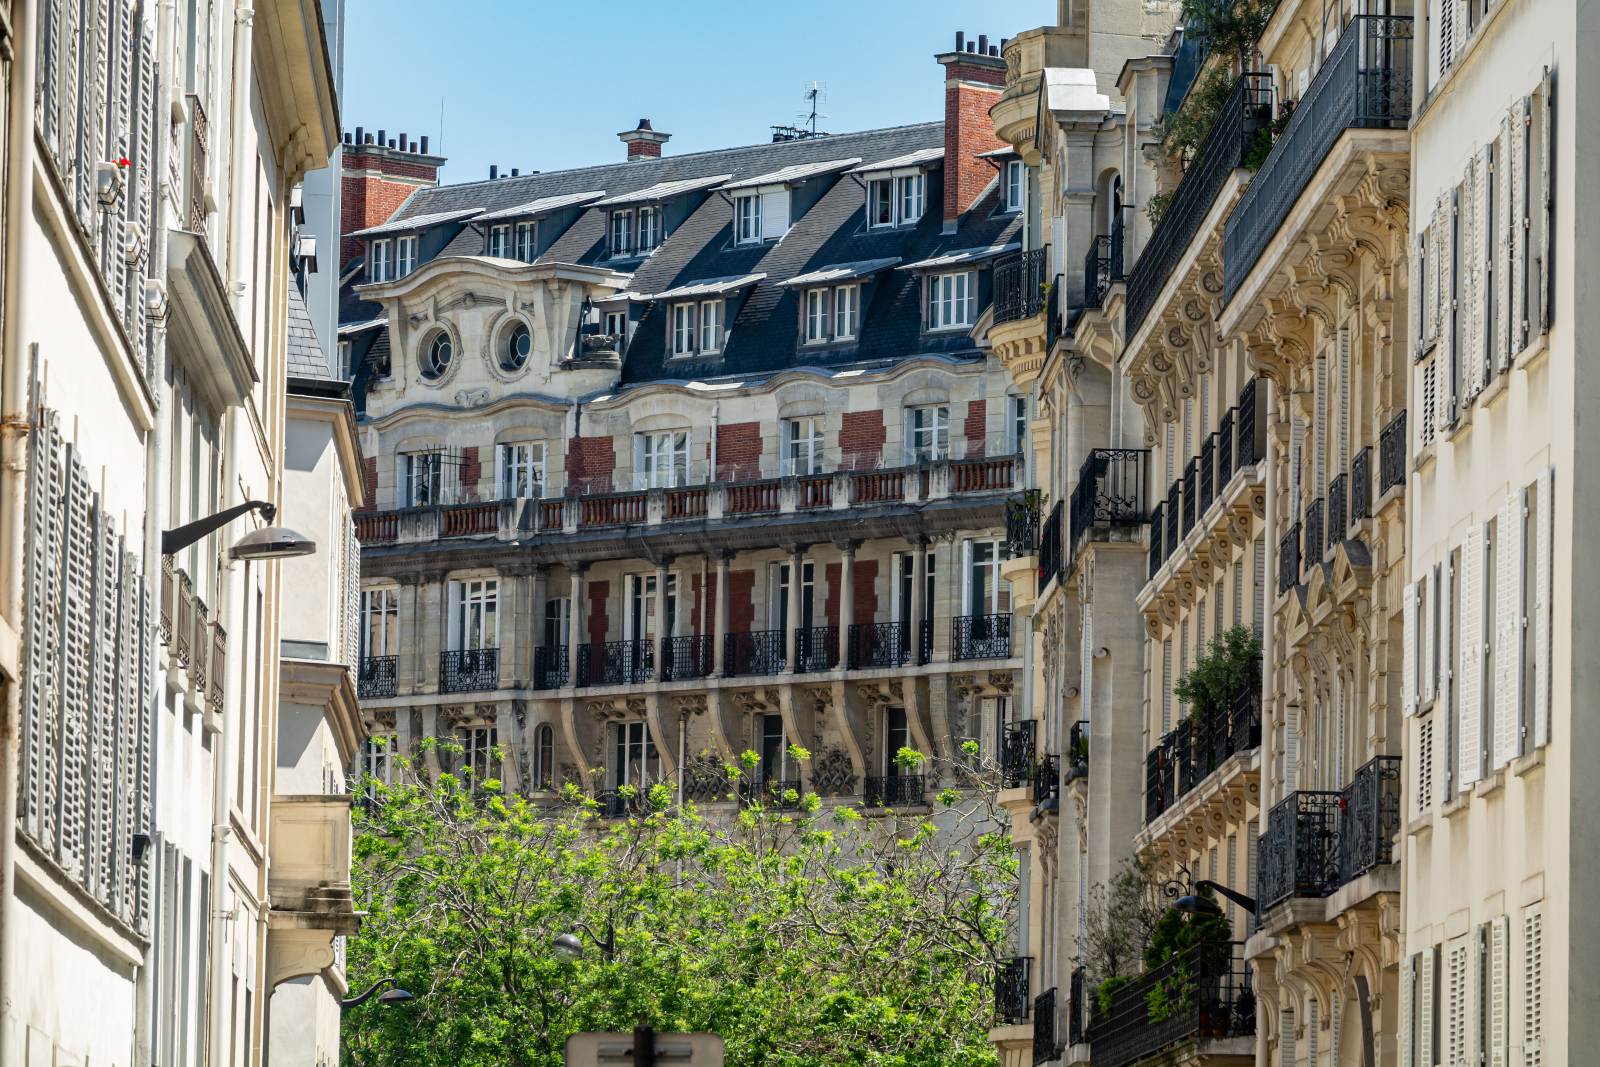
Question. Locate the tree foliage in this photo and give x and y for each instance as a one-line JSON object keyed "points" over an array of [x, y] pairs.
{"points": [[802, 934], [1230, 663]]}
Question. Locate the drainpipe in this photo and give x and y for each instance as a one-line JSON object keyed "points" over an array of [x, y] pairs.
{"points": [[222, 781], [244, 20], [14, 430], [711, 462]]}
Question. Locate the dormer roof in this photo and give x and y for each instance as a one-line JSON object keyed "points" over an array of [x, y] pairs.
{"points": [[663, 191], [544, 205], [793, 174]]}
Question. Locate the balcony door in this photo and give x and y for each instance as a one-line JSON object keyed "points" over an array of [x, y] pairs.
{"points": [[380, 622], [779, 603], [896, 735], [774, 750], [661, 460], [633, 756], [640, 624], [900, 594], [984, 592], [557, 622], [474, 614]]}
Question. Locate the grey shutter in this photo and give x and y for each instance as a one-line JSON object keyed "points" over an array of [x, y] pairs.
{"points": [[1500, 315], [1408, 1022], [1470, 681], [1519, 226], [1408, 645], [1449, 302], [1545, 203], [1508, 629], [1416, 317]]}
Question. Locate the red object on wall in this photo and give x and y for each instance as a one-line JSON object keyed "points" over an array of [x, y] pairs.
{"points": [[599, 622], [976, 428], [861, 438], [471, 472], [863, 595], [591, 462], [973, 83], [738, 451], [376, 181]]}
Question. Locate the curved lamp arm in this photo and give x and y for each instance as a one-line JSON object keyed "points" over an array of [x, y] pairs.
{"points": [[174, 541], [1247, 903], [361, 998]]}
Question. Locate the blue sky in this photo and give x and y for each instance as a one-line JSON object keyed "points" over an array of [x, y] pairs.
{"points": [[546, 84]]}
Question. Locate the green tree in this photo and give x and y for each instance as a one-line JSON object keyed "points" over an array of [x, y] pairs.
{"points": [[802, 934]]}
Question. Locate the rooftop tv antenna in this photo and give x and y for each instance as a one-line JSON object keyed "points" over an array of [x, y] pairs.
{"points": [[815, 93], [805, 126]]}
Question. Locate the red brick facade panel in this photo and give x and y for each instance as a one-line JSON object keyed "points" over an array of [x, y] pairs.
{"points": [[369, 475], [599, 621], [863, 597], [976, 428], [741, 601], [591, 463], [861, 438], [830, 599], [471, 472], [968, 132], [739, 451]]}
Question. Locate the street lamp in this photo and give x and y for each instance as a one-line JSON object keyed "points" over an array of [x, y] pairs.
{"points": [[569, 946], [269, 542], [1195, 904], [389, 996]]}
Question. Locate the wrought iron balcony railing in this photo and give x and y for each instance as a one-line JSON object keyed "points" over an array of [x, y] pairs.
{"points": [[1392, 454], [1299, 853], [1110, 491], [1370, 818], [1051, 562], [1171, 513], [758, 653], [686, 657], [550, 667], [1225, 429], [980, 637], [1198, 747], [782, 793], [616, 663], [1201, 993], [1078, 749], [1312, 531], [1016, 753], [1077, 1008], [1023, 512], [879, 645], [1158, 553], [1222, 151], [1365, 83], [1252, 417], [469, 670], [1338, 517], [1047, 778], [377, 675], [1289, 559], [1208, 461], [1019, 285], [1045, 1043], [816, 648], [894, 790], [1190, 488], [1096, 272], [1011, 990], [1361, 486]]}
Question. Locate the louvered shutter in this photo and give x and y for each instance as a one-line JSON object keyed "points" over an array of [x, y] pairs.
{"points": [[77, 668], [1291, 748], [1252, 853], [1408, 1022], [1519, 226], [1532, 989], [1428, 633], [1313, 1028], [1259, 555], [1447, 38], [1319, 433], [1481, 251], [1238, 593], [42, 653], [1335, 1021], [1499, 982], [1508, 630], [1470, 683], [1342, 452], [1545, 204], [1425, 1009], [1408, 645], [1418, 297], [1543, 534], [1287, 1056], [1430, 281], [1428, 423], [1466, 285], [1449, 303], [1166, 684], [1443, 592], [1500, 315], [1425, 769]]}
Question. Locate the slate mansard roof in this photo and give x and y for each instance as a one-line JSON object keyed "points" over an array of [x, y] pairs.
{"points": [[827, 239]]}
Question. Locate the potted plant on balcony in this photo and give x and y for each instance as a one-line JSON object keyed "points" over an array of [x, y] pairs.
{"points": [[1230, 664]]}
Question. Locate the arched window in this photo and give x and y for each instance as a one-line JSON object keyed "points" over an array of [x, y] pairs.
{"points": [[544, 757], [437, 351], [518, 346]]}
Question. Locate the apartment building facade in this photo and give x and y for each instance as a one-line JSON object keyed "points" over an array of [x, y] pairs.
{"points": [[151, 156], [683, 457]]}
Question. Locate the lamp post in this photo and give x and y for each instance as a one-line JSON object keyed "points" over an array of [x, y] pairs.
{"points": [[389, 996], [1194, 904], [570, 946]]}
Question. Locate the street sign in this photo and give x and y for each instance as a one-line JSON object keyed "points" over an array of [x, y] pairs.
{"points": [[644, 1048]]}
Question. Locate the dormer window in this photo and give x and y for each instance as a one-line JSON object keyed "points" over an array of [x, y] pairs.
{"points": [[405, 256], [697, 328], [527, 241], [1013, 178], [649, 228], [380, 265], [833, 314], [500, 241], [896, 200], [747, 219], [952, 300], [621, 233]]}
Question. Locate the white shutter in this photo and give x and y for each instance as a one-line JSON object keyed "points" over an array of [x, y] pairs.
{"points": [[1252, 853], [1544, 204], [1500, 315], [1499, 980], [1466, 285], [966, 578], [1342, 449], [1319, 431], [453, 616], [1259, 555], [1508, 629], [1443, 593], [1447, 42], [1448, 303], [1428, 652], [1166, 685], [1519, 225], [1428, 422], [1408, 1022], [897, 610], [1313, 1029], [1424, 764], [1425, 1009], [1430, 280], [1532, 989], [1291, 749], [774, 213], [1543, 533], [1480, 354], [1455, 1003], [1286, 1051], [1415, 317], [1408, 645], [1470, 681], [1335, 1020]]}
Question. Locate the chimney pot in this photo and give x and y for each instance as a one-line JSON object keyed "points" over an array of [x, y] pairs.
{"points": [[424, 144], [413, 148], [972, 47], [369, 139], [391, 142], [961, 41], [402, 140], [494, 171], [383, 136], [994, 50], [983, 43], [515, 172], [361, 135], [644, 141]]}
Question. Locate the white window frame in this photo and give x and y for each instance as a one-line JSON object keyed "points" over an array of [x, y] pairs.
{"points": [[640, 760], [422, 476], [522, 470], [819, 316], [527, 241], [380, 621], [711, 337], [1019, 421], [477, 751], [910, 198], [376, 760], [621, 229], [405, 255], [380, 261], [1013, 183], [803, 445], [648, 236], [847, 312], [684, 333], [747, 219], [879, 191], [952, 300], [928, 432], [986, 554], [617, 324], [475, 614], [543, 756], [662, 459], [500, 240]]}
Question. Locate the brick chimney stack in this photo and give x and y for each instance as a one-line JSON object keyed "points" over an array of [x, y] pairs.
{"points": [[643, 142], [379, 172], [974, 76]]}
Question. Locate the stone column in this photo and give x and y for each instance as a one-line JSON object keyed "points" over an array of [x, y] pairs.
{"points": [[919, 586], [847, 586], [792, 621], [661, 643], [719, 623], [575, 624]]}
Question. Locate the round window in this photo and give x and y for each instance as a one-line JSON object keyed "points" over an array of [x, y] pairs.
{"points": [[519, 346], [436, 354]]}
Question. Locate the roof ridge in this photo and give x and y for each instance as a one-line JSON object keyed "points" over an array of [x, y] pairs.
{"points": [[501, 181]]}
